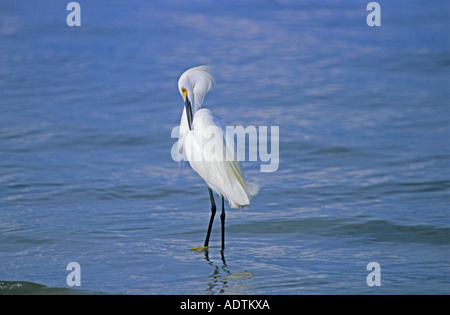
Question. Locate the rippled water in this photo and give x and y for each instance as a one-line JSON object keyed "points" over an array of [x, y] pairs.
{"points": [[86, 173]]}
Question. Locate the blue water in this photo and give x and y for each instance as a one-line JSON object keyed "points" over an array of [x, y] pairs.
{"points": [[86, 173]]}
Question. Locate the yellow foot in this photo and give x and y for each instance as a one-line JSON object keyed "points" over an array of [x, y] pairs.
{"points": [[200, 248]]}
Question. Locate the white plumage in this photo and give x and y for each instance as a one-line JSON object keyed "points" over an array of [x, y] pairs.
{"points": [[204, 142]]}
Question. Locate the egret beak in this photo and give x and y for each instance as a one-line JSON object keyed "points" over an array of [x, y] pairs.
{"points": [[188, 107]]}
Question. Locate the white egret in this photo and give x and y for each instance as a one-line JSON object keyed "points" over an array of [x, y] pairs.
{"points": [[218, 166]]}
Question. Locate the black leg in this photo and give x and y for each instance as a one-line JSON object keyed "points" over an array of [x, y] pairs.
{"points": [[211, 220], [222, 219]]}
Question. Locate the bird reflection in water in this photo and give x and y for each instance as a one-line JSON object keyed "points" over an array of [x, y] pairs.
{"points": [[223, 281], [218, 283]]}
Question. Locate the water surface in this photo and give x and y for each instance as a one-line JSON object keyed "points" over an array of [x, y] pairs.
{"points": [[86, 173]]}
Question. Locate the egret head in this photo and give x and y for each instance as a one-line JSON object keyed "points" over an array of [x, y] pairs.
{"points": [[193, 85]]}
